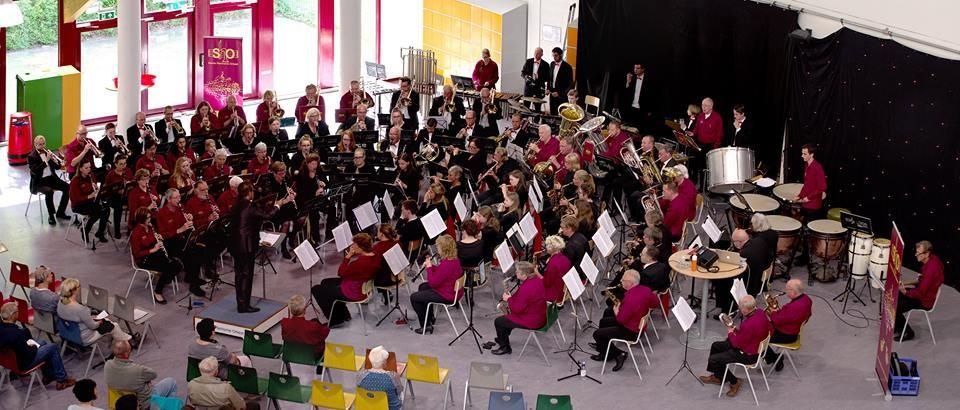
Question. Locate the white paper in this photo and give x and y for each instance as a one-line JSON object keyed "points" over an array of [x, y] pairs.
{"points": [[738, 290], [433, 224], [536, 188], [504, 256], [528, 228], [712, 230], [365, 215], [696, 243], [589, 268], [461, 207], [388, 204], [534, 200], [306, 255], [269, 237], [684, 314], [765, 182], [33, 343], [342, 236], [604, 244], [396, 259], [102, 315], [606, 224], [574, 285], [139, 314], [623, 216]]}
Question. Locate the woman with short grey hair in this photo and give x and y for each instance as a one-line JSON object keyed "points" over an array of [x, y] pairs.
{"points": [[379, 379]]}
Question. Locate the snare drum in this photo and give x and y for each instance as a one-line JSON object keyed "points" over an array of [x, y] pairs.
{"points": [[759, 203], [785, 193], [858, 254], [879, 257], [826, 240], [788, 233]]}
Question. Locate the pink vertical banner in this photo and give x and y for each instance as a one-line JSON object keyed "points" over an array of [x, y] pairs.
{"points": [[888, 310], [222, 70]]}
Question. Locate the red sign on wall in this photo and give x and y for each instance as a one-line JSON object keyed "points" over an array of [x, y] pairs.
{"points": [[222, 70]]}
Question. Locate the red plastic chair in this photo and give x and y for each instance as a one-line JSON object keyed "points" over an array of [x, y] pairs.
{"points": [[8, 361], [20, 276], [24, 311]]}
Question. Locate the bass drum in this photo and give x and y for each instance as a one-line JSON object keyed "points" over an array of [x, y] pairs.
{"points": [[730, 168], [879, 256]]}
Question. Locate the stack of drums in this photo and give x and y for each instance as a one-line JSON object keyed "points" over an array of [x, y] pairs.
{"points": [[758, 203], [826, 240], [879, 257], [858, 254]]}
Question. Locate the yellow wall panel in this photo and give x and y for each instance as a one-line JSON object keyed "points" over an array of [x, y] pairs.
{"points": [[571, 36], [70, 89], [456, 31]]}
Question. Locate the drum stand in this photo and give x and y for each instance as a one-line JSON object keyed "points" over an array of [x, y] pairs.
{"points": [[850, 289]]}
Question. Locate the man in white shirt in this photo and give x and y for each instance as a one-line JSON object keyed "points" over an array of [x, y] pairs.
{"points": [[637, 99]]}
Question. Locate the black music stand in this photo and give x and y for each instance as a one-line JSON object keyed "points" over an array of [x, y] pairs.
{"points": [[853, 223], [468, 293], [575, 347], [326, 141], [263, 260]]}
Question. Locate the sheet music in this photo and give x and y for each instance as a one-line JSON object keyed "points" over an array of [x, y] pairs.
{"points": [[606, 224], [534, 200], [589, 268], [306, 255], [269, 237], [572, 280], [102, 315], [528, 229], [604, 244], [684, 314], [738, 290], [711, 229], [504, 256], [396, 259], [765, 182], [461, 207], [388, 204], [536, 187], [342, 236], [695, 244], [433, 224], [365, 215]]}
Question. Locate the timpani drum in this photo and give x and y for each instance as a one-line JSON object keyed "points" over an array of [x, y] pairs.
{"points": [[879, 256], [785, 193], [788, 234], [758, 203], [858, 254], [826, 240], [729, 169]]}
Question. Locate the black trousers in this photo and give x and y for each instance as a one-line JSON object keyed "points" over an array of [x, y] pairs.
{"points": [[904, 305], [168, 268], [192, 258], [116, 206], [243, 263], [421, 298], [47, 186], [721, 354], [96, 213], [609, 328], [324, 294], [504, 327], [721, 293]]}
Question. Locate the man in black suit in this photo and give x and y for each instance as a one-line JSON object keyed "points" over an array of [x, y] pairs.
{"points": [[519, 134], [536, 75], [394, 144], [665, 157], [655, 274], [361, 113], [246, 218], [487, 123], [110, 145], [741, 127], [561, 80], [410, 109], [137, 134], [637, 99], [43, 178], [575, 244], [166, 131], [455, 118], [755, 251]]}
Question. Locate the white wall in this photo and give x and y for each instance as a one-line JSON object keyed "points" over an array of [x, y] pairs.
{"points": [[401, 27], [542, 13]]}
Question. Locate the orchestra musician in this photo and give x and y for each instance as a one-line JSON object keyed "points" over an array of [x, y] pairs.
{"points": [[169, 128], [573, 97], [485, 72], [449, 106], [489, 114], [638, 99], [489, 230], [43, 165], [756, 252], [408, 176], [359, 265], [218, 167], [742, 345], [150, 161], [469, 129], [393, 145], [246, 142], [509, 210], [812, 192], [209, 149], [575, 244], [350, 99], [760, 228], [360, 164], [139, 133], [278, 183], [439, 288], [410, 228], [615, 140], [787, 320], [518, 134], [690, 123], [83, 195], [528, 308], [150, 253], [268, 109], [314, 126], [245, 221], [310, 99], [110, 145], [919, 294], [310, 185], [387, 238], [665, 158], [229, 197], [182, 177], [741, 128], [536, 74], [566, 147], [365, 125], [425, 136], [561, 79], [502, 166], [274, 134], [654, 273], [180, 149], [175, 226], [79, 151], [473, 159], [435, 198], [304, 148], [260, 164], [142, 195], [348, 143], [470, 247], [681, 209], [709, 127], [545, 147], [623, 320], [410, 104], [453, 185], [557, 265], [203, 120], [202, 206]]}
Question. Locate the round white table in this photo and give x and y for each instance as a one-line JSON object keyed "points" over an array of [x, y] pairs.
{"points": [[680, 262]]}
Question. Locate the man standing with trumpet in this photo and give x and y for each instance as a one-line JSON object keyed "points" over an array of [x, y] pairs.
{"points": [[622, 320], [80, 151], [742, 344], [138, 133], [169, 128], [450, 107], [43, 178], [408, 102]]}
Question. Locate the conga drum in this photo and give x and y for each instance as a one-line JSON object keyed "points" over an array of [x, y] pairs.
{"points": [[879, 256], [858, 254], [788, 236], [759, 203], [826, 241], [785, 193]]}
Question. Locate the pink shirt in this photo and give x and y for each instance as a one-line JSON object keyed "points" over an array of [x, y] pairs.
{"points": [[528, 306]]}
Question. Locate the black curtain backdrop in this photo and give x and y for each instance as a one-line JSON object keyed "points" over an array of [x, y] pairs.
{"points": [[885, 118], [734, 51]]}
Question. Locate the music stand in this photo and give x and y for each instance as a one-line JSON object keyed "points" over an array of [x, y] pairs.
{"points": [[575, 346], [682, 308], [462, 83], [367, 138], [325, 141], [853, 223], [468, 293]]}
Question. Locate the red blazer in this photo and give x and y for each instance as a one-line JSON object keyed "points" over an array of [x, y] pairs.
{"points": [[301, 111], [224, 115], [214, 171], [201, 211], [441, 278], [226, 200], [151, 164], [557, 266], [141, 241], [71, 151], [256, 167], [636, 303], [173, 156], [709, 131], [263, 117], [169, 220], [814, 185], [751, 332], [197, 119], [931, 277], [308, 332], [80, 190], [791, 316], [355, 272], [135, 199], [681, 209], [528, 306], [614, 144], [485, 73], [687, 188], [346, 100], [547, 150]]}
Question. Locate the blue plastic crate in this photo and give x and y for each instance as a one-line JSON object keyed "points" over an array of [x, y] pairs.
{"points": [[905, 385]]}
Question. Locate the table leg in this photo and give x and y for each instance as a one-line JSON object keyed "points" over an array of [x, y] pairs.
{"points": [[703, 309]]}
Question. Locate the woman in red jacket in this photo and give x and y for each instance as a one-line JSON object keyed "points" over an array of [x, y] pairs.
{"points": [[557, 265], [359, 265], [148, 253], [528, 309], [83, 194], [440, 283], [386, 238]]}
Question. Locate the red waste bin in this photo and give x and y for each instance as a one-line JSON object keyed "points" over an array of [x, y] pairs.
{"points": [[21, 138]]}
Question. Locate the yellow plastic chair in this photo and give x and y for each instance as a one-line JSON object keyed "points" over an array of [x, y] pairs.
{"points": [[785, 349], [340, 357], [113, 395], [330, 396], [371, 400], [426, 369]]}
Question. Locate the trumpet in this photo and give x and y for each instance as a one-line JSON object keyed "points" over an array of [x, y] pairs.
{"points": [[52, 156], [276, 111], [177, 128], [531, 153], [93, 147], [122, 146]]}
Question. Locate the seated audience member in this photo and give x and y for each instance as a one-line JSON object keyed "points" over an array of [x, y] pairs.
{"points": [[742, 345], [528, 308], [127, 402], [622, 321], [42, 296], [28, 351], [440, 283], [297, 328], [71, 310], [788, 319], [205, 346], [86, 393], [919, 294], [210, 391], [377, 378], [122, 374]]}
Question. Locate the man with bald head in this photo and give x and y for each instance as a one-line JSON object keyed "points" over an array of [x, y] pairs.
{"points": [[709, 128], [438, 108], [742, 345], [623, 321], [138, 132], [546, 145], [535, 73], [79, 151], [788, 319], [755, 251]]}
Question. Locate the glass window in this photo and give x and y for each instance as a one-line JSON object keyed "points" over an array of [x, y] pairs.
{"points": [[238, 24], [99, 10], [31, 46], [167, 59], [165, 5], [98, 62], [294, 45], [368, 36]]}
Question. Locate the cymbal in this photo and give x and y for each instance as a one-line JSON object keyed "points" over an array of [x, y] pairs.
{"points": [[673, 125], [534, 100]]}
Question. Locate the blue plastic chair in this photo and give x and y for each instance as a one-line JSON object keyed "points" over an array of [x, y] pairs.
{"points": [[501, 400], [165, 403], [70, 334]]}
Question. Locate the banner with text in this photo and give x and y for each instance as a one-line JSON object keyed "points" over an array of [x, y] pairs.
{"points": [[888, 311], [222, 70]]}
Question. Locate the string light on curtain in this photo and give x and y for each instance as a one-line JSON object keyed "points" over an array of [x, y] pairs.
{"points": [[10, 14]]}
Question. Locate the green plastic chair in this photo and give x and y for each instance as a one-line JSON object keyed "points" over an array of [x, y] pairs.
{"points": [[260, 345], [298, 353], [552, 315], [245, 380], [193, 368], [548, 402], [286, 388]]}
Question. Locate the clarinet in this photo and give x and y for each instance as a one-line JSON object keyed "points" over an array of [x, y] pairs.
{"points": [[188, 218], [159, 239]]}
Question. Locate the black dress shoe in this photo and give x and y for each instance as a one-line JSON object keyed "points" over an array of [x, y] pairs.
{"points": [[489, 345], [622, 357], [51, 221], [421, 330], [597, 357], [63, 216], [197, 291], [779, 366], [248, 309], [160, 301], [102, 238], [502, 351]]}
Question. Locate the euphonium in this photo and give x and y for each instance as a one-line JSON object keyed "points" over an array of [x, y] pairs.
{"points": [[772, 302]]}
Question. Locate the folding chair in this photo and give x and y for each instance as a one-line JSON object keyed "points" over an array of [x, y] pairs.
{"points": [[340, 357], [150, 274], [501, 400], [70, 334], [166, 403], [260, 345], [592, 102], [286, 388], [298, 353], [487, 376], [629, 344], [43, 321], [330, 396], [548, 402], [457, 288], [926, 314], [426, 369], [20, 277], [370, 400], [746, 369], [785, 349], [367, 293], [245, 380], [131, 315], [97, 298], [37, 194], [193, 368], [552, 315], [25, 313], [113, 395], [9, 366]]}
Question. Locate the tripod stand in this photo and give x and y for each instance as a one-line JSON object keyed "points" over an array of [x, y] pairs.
{"points": [[685, 364], [575, 347], [396, 305], [470, 328], [850, 289]]}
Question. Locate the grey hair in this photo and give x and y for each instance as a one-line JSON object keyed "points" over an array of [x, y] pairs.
{"points": [[926, 245], [748, 302], [8, 311], [759, 223], [260, 147], [169, 193], [631, 276], [297, 305], [221, 152], [378, 357], [554, 242], [525, 267], [209, 366], [235, 181], [41, 274]]}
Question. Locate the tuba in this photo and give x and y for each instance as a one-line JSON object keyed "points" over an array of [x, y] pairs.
{"points": [[570, 117], [646, 166]]}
